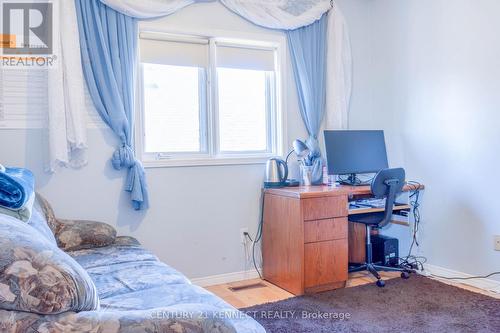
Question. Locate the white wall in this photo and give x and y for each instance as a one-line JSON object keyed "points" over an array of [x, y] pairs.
{"points": [[434, 87]]}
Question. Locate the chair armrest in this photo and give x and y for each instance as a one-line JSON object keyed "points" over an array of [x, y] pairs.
{"points": [[73, 235]]}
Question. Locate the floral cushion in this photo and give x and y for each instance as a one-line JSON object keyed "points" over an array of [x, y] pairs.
{"points": [[50, 217], [72, 235], [36, 276], [75, 235]]}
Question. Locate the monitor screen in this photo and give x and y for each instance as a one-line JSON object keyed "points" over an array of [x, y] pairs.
{"points": [[351, 152]]}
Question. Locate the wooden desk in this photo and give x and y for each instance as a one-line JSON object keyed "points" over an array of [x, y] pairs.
{"points": [[306, 237]]}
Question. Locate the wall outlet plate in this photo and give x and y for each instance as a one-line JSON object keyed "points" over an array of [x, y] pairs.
{"points": [[497, 243], [243, 238]]}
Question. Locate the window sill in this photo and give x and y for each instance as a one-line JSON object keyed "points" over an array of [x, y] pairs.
{"points": [[220, 161]]}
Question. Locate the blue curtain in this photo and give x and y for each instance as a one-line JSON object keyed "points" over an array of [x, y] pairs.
{"points": [[108, 42], [308, 52]]}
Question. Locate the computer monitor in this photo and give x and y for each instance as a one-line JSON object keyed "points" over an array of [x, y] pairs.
{"points": [[355, 152]]}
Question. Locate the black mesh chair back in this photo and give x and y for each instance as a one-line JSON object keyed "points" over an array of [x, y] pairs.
{"points": [[388, 183]]}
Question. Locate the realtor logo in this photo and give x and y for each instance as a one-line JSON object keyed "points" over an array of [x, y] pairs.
{"points": [[27, 28]]}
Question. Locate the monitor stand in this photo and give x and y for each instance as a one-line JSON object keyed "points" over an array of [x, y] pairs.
{"points": [[352, 180]]}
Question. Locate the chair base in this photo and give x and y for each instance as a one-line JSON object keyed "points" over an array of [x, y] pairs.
{"points": [[374, 269]]}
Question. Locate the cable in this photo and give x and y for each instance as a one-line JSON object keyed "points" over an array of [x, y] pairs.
{"points": [[414, 202], [258, 235], [356, 182], [247, 235], [411, 261], [417, 262], [466, 278]]}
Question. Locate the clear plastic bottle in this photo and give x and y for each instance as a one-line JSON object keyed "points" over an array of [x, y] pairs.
{"points": [[325, 173]]}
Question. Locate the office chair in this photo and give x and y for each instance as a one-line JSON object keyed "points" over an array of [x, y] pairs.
{"points": [[388, 183]]}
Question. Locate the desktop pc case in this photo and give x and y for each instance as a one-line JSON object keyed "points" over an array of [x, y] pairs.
{"points": [[385, 250]]}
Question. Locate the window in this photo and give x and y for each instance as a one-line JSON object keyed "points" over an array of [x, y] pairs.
{"points": [[207, 100], [172, 100], [243, 108]]}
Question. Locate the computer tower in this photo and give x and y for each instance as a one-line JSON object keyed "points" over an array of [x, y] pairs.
{"points": [[385, 250]]}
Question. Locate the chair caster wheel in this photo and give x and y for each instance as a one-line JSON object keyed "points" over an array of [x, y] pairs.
{"points": [[405, 275], [380, 283]]}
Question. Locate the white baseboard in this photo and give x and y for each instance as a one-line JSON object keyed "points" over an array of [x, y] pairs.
{"points": [[225, 278], [484, 284]]}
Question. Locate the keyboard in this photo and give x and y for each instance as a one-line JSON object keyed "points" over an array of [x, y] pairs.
{"points": [[367, 203]]}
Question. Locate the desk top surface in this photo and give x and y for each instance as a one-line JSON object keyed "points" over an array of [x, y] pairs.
{"points": [[304, 192]]}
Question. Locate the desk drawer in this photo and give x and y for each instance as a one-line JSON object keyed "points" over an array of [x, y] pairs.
{"points": [[324, 208], [325, 262], [324, 230]]}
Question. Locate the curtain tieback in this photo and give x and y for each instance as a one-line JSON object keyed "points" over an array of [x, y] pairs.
{"points": [[123, 157]]}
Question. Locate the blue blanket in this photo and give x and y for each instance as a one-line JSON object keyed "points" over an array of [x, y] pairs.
{"points": [[17, 187]]}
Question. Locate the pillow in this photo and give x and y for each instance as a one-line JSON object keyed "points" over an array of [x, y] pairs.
{"points": [[36, 276], [73, 235], [78, 235], [48, 212], [39, 222]]}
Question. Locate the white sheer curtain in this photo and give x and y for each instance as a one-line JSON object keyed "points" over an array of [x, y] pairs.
{"points": [[146, 9], [67, 122], [275, 14], [279, 14], [339, 72]]}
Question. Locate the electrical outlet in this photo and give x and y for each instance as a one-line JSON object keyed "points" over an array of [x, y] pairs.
{"points": [[243, 238], [497, 243]]}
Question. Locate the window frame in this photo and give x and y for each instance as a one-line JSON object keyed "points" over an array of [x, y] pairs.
{"points": [[213, 155]]}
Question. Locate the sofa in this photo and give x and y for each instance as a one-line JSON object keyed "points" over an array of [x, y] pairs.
{"points": [[77, 276]]}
